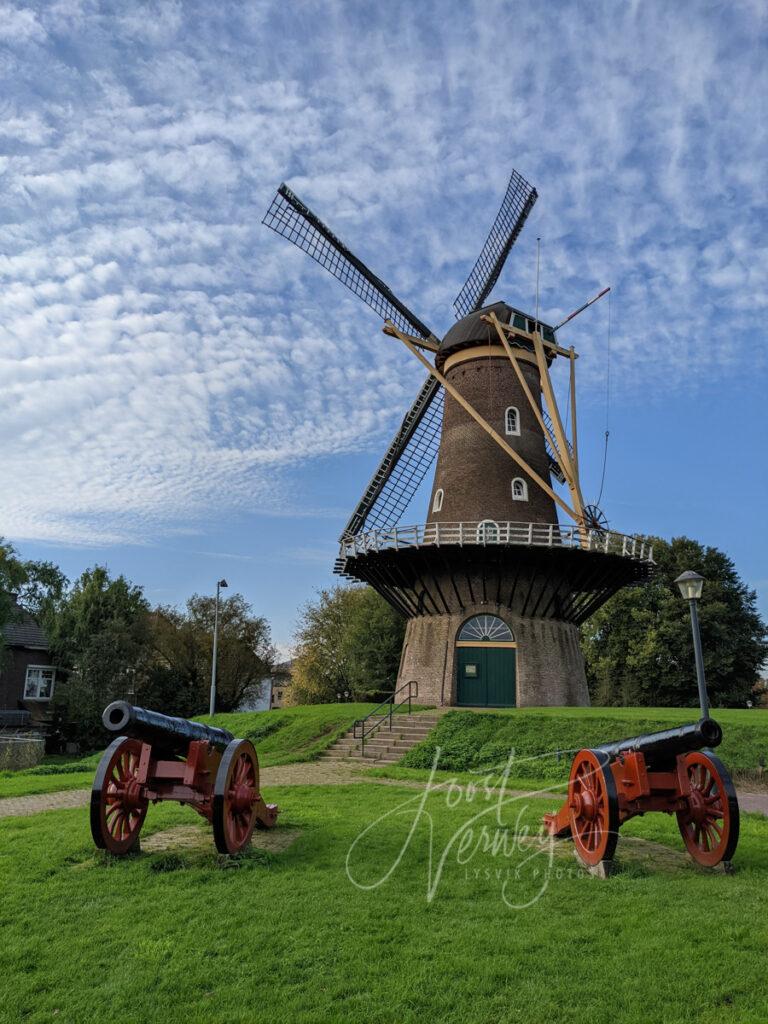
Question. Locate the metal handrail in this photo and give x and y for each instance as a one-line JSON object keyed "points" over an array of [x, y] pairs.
{"points": [[485, 533], [413, 691]]}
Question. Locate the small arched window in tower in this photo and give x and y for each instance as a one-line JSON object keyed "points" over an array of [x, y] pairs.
{"points": [[512, 421], [519, 489], [437, 504], [488, 532]]}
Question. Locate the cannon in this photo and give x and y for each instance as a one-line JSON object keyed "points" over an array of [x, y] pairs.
{"points": [[156, 757], [673, 771]]}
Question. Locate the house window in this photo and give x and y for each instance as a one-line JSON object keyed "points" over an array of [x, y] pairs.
{"points": [[437, 504], [38, 684], [512, 421], [488, 532], [519, 489]]}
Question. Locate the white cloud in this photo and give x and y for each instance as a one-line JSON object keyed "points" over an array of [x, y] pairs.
{"points": [[19, 24], [163, 355]]}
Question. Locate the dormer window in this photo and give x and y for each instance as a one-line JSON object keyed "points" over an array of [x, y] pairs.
{"points": [[519, 489], [437, 503], [512, 421]]}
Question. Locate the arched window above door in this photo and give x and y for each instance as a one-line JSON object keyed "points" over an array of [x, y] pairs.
{"points": [[486, 628]]}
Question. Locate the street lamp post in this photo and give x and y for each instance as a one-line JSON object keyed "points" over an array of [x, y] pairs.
{"points": [[220, 584], [691, 585]]}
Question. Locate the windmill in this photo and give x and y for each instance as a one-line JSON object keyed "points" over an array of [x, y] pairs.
{"points": [[493, 586]]}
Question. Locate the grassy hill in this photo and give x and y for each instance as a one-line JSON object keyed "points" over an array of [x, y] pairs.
{"points": [[280, 737], [544, 739]]}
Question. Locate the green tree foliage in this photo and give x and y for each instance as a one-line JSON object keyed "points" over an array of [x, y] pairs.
{"points": [[183, 650], [99, 636], [349, 639], [638, 647], [34, 584]]}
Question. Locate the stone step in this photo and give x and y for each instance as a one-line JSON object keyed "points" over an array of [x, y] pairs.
{"points": [[384, 745]]}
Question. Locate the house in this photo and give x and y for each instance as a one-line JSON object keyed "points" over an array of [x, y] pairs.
{"points": [[27, 672], [280, 685]]}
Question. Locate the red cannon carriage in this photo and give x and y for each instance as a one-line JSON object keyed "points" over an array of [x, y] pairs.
{"points": [[667, 771], [156, 758]]}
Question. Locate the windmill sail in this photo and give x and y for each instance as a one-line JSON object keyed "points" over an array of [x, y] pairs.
{"points": [[289, 217], [516, 205], [405, 464]]}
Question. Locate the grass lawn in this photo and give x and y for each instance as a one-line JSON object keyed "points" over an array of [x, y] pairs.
{"points": [[280, 737], [184, 936], [545, 739]]}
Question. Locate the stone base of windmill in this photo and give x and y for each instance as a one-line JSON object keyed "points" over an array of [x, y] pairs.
{"points": [[545, 668]]}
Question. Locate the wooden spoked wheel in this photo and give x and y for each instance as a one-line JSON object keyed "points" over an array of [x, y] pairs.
{"points": [[118, 807], [710, 824], [235, 796], [593, 806]]}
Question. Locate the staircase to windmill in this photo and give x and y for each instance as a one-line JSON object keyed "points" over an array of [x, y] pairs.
{"points": [[384, 745]]}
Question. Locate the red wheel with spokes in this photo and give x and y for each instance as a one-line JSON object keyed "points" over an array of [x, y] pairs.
{"points": [[710, 823], [118, 807], [594, 807], [235, 795]]}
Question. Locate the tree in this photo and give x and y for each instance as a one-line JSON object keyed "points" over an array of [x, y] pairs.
{"points": [[32, 585], [349, 639], [183, 645], [99, 637], [638, 647]]}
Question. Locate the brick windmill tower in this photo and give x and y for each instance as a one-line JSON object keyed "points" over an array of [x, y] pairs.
{"points": [[493, 586]]}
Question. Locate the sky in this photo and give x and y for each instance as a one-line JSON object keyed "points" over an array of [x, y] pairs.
{"points": [[184, 395]]}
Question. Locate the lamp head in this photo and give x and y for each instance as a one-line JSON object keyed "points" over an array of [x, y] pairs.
{"points": [[691, 585]]}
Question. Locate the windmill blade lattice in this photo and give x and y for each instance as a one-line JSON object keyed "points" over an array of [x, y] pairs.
{"points": [[404, 466], [289, 217], [516, 205]]}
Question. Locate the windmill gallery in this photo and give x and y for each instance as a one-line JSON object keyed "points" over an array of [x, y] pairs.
{"points": [[492, 585]]}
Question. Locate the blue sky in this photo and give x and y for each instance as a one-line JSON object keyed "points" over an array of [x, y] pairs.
{"points": [[184, 395]]}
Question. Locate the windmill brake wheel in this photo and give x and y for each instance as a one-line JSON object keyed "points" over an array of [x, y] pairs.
{"points": [[710, 823], [594, 807], [118, 807], [235, 797]]}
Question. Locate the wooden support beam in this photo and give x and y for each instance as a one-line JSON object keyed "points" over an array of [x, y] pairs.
{"points": [[431, 346], [557, 423], [511, 329], [527, 391], [574, 431], [482, 422]]}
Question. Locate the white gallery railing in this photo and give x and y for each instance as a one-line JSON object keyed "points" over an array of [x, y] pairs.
{"points": [[547, 535]]}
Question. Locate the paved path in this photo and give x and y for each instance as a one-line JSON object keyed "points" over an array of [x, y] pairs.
{"points": [[314, 773]]}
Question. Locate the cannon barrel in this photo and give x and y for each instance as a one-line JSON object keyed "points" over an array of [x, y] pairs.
{"points": [[169, 734], [661, 748]]}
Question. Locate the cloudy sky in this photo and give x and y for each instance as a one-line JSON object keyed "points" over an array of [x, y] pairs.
{"points": [[184, 395]]}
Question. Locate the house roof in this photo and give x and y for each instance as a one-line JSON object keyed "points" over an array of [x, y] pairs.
{"points": [[24, 631]]}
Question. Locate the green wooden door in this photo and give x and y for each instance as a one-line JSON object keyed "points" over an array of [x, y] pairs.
{"points": [[486, 677], [471, 689], [500, 673]]}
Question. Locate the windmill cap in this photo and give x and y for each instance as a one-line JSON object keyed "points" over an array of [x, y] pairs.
{"points": [[472, 331]]}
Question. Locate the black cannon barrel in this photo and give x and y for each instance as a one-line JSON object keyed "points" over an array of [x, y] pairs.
{"points": [[170, 734], [661, 748]]}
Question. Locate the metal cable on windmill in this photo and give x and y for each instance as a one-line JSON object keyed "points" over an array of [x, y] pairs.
{"points": [[607, 404]]}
